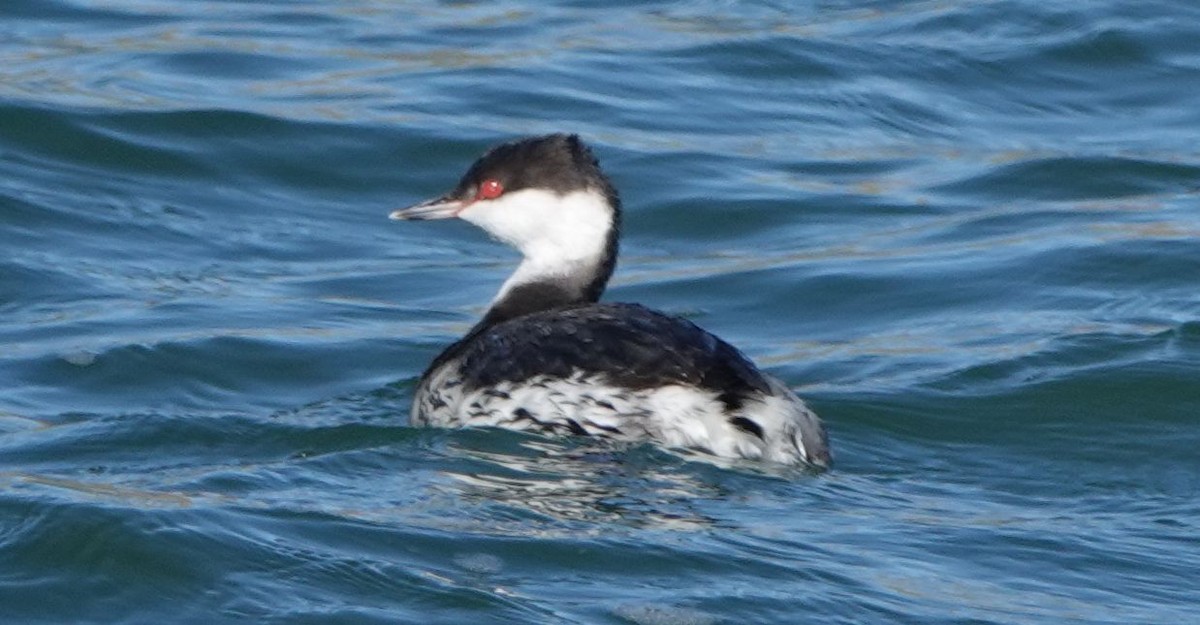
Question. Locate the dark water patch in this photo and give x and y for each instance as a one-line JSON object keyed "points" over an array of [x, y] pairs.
{"points": [[1054, 410], [1141, 264], [205, 372], [503, 92], [40, 292], [214, 65], [1077, 178], [25, 217], [888, 293], [694, 217], [132, 561], [72, 138], [777, 60], [261, 151], [1100, 423], [234, 147], [261, 561], [55, 201], [1110, 47], [57, 12], [849, 171], [1019, 229], [199, 455], [1042, 67], [996, 24], [145, 442]]}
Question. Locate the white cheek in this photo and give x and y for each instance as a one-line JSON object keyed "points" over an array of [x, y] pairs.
{"points": [[512, 218], [544, 225]]}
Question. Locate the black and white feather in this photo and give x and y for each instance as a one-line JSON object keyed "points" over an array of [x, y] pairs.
{"points": [[548, 357]]}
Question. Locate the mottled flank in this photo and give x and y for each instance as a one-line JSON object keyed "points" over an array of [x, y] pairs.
{"points": [[774, 426]]}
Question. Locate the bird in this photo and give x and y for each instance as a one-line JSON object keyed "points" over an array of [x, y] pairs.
{"points": [[549, 357]]}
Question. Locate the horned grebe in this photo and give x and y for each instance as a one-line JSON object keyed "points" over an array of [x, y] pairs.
{"points": [[548, 357]]}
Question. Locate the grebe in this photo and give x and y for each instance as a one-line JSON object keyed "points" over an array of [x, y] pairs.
{"points": [[548, 357]]}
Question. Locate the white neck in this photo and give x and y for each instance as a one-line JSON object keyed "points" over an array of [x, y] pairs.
{"points": [[562, 238]]}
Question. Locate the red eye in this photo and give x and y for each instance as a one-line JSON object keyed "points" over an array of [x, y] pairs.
{"points": [[489, 189]]}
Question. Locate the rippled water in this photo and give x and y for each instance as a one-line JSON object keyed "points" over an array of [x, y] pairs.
{"points": [[966, 231]]}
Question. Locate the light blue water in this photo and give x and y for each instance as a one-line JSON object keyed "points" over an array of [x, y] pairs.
{"points": [[966, 232]]}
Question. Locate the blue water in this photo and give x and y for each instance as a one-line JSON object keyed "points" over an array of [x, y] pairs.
{"points": [[967, 232]]}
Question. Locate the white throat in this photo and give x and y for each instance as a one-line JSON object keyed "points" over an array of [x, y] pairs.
{"points": [[562, 238]]}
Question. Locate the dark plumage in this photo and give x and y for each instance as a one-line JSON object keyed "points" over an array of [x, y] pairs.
{"points": [[626, 345]]}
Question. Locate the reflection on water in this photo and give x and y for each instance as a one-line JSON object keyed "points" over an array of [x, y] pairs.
{"points": [[596, 482]]}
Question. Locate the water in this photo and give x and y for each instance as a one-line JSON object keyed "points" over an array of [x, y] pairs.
{"points": [[966, 232]]}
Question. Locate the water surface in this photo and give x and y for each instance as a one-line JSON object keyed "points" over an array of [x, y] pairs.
{"points": [[965, 231]]}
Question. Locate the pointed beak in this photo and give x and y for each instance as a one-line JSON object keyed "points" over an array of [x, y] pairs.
{"points": [[438, 208]]}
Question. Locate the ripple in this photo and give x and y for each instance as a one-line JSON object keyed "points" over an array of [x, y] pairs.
{"points": [[1078, 178], [965, 231]]}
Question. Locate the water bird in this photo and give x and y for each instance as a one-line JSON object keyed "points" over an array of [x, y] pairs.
{"points": [[549, 357]]}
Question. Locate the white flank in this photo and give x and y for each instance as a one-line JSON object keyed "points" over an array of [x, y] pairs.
{"points": [[674, 415]]}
